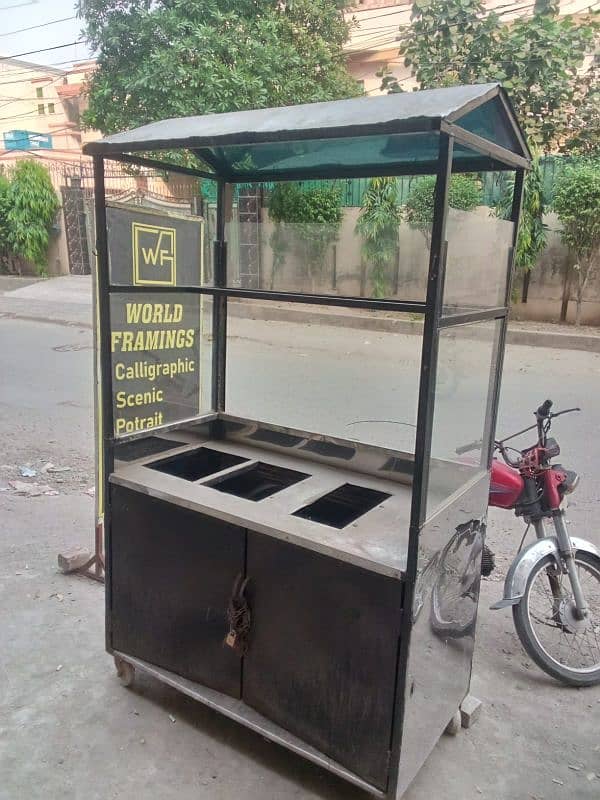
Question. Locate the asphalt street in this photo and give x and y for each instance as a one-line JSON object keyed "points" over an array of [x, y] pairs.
{"points": [[68, 730]]}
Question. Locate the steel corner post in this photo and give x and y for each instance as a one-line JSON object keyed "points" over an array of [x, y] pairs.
{"points": [[105, 448], [435, 290], [424, 430], [220, 302]]}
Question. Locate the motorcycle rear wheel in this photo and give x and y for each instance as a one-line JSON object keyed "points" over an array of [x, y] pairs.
{"points": [[567, 649]]}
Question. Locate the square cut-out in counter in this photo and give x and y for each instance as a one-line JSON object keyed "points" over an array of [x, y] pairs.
{"points": [[258, 481], [342, 506], [196, 464]]}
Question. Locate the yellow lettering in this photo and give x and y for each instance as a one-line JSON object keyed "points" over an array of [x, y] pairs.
{"points": [[115, 338], [150, 254], [132, 312]]}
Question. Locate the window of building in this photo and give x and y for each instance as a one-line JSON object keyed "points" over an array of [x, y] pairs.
{"points": [[39, 92], [41, 109], [51, 108]]}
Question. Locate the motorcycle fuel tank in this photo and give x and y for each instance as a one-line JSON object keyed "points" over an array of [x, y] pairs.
{"points": [[506, 485]]}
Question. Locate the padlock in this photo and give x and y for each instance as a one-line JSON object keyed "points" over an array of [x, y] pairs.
{"points": [[231, 639]]}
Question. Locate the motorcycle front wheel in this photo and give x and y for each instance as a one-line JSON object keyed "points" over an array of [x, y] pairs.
{"points": [[564, 646]]}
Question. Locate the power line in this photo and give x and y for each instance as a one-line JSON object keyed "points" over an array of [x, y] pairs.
{"points": [[34, 27], [25, 114], [18, 5], [509, 8], [39, 100], [40, 68], [499, 11], [37, 68], [10, 99], [43, 50]]}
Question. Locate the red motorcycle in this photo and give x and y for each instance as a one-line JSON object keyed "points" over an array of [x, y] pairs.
{"points": [[553, 585]]}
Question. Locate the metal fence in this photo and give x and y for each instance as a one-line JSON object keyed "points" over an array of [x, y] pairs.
{"points": [[353, 189]]}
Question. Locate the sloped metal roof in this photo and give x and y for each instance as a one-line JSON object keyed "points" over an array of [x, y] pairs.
{"points": [[236, 144]]}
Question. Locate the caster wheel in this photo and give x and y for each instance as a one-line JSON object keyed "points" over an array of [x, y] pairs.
{"points": [[125, 671], [453, 727]]}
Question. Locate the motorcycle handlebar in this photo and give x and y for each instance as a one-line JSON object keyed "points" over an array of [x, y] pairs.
{"points": [[542, 413]]}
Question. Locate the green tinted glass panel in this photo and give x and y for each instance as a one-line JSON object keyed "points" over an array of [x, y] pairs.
{"points": [[491, 122], [300, 156]]}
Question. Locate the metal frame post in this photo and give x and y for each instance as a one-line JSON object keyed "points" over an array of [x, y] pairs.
{"points": [[106, 423], [219, 324], [437, 261], [515, 214], [435, 289]]}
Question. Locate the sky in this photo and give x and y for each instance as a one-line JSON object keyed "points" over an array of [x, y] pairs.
{"points": [[18, 14]]}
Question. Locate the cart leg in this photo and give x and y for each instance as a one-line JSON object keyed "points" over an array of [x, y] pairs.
{"points": [[453, 727], [125, 671]]}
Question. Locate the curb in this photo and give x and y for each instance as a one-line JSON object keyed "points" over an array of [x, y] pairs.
{"points": [[307, 316], [515, 336], [555, 340]]}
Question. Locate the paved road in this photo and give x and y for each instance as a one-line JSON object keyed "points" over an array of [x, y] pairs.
{"points": [[71, 732]]}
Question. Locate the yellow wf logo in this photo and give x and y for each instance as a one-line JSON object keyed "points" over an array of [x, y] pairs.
{"points": [[154, 256]]}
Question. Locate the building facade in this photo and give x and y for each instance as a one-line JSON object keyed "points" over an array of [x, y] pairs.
{"points": [[40, 109]]}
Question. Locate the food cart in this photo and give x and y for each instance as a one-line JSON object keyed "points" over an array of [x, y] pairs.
{"points": [[318, 585]]}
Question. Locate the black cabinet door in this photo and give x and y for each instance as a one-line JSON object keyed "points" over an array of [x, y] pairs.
{"points": [[323, 652], [172, 572]]}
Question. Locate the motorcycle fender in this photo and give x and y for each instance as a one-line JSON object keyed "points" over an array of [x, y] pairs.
{"points": [[516, 579]]}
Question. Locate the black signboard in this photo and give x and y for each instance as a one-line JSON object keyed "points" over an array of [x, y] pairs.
{"points": [[155, 337], [147, 248]]}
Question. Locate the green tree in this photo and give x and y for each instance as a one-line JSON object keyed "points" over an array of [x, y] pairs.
{"points": [[282, 205], [532, 231], [172, 58], [577, 203], [378, 224], [313, 215], [4, 246], [537, 58], [464, 193], [583, 134], [449, 42], [32, 205], [539, 62]]}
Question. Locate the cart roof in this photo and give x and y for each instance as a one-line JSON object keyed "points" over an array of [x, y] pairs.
{"points": [[370, 135]]}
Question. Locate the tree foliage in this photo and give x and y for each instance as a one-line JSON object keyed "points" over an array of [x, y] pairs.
{"points": [[31, 205], [532, 230], [582, 137], [449, 41], [577, 203], [311, 214], [537, 58], [378, 225], [464, 193], [172, 58], [4, 189]]}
